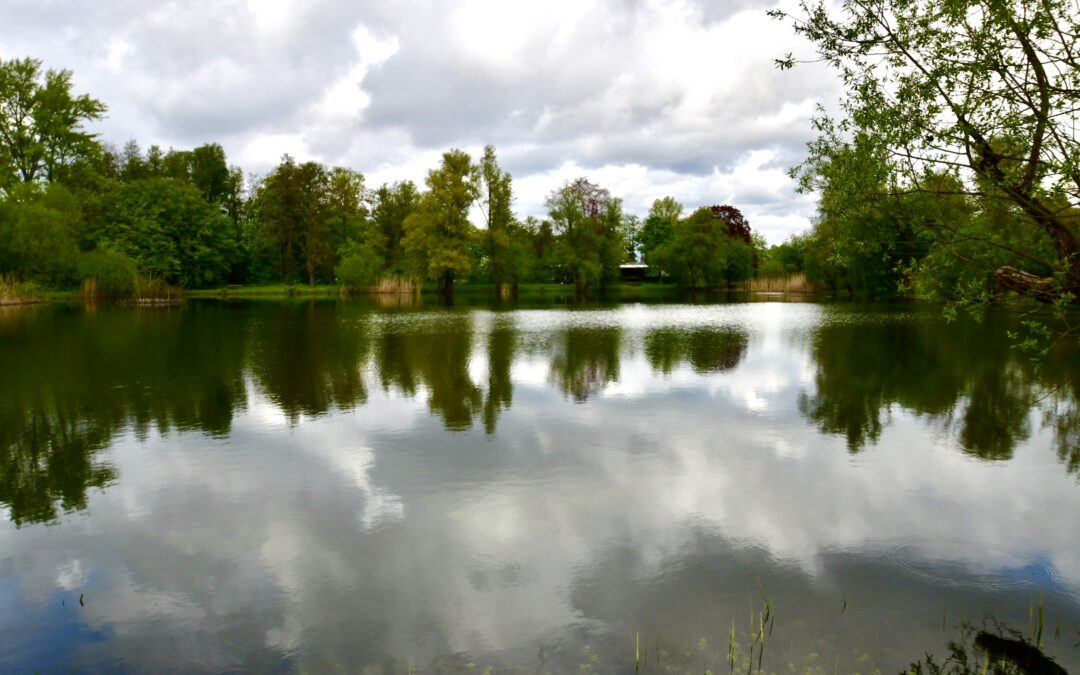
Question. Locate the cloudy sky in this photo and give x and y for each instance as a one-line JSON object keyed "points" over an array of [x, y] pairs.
{"points": [[647, 98]]}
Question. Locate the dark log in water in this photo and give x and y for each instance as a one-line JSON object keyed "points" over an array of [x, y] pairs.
{"points": [[1021, 653]]}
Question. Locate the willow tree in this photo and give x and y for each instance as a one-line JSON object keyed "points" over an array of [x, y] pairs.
{"points": [[985, 91]]}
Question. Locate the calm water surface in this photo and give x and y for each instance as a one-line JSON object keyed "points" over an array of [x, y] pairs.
{"points": [[323, 487]]}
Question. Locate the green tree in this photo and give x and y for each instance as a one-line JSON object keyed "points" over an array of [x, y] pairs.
{"points": [[584, 217], [437, 234], [613, 243], [985, 91], [659, 227], [290, 227], [346, 205], [784, 259], [393, 204], [702, 254], [38, 226], [541, 245], [210, 173], [867, 233], [503, 251], [169, 230], [41, 122], [360, 266]]}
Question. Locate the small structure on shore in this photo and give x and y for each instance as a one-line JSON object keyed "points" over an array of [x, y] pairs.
{"points": [[633, 272]]}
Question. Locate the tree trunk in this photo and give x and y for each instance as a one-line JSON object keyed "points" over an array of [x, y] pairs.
{"points": [[1044, 289], [446, 284]]}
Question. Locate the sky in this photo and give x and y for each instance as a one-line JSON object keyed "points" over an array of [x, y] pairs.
{"points": [[645, 98]]}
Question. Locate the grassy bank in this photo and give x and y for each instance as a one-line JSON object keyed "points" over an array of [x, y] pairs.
{"points": [[11, 293], [269, 291], [621, 290]]}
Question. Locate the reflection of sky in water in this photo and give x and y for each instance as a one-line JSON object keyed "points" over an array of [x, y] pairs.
{"points": [[664, 501]]}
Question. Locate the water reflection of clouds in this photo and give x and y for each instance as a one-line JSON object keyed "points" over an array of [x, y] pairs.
{"points": [[427, 542]]}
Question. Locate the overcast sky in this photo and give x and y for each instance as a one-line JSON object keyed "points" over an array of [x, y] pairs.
{"points": [[645, 98]]}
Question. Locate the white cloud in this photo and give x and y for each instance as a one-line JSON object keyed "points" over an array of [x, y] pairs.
{"points": [[648, 98]]}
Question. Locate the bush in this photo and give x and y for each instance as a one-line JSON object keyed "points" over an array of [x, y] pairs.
{"points": [[359, 268], [108, 273], [37, 241]]}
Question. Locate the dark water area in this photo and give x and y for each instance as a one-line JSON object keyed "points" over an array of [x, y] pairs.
{"points": [[339, 487]]}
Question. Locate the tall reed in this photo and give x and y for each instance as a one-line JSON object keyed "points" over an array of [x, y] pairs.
{"points": [[155, 291], [14, 292], [395, 285], [795, 283]]}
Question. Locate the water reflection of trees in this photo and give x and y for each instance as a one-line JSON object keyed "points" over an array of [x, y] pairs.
{"points": [[1062, 413], [436, 356], [966, 376], [502, 346], [73, 380], [585, 360], [307, 357], [707, 350]]}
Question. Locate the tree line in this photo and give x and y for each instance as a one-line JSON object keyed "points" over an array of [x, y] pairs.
{"points": [[77, 213]]}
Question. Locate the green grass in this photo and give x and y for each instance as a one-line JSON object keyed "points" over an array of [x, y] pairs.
{"points": [[618, 291], [268, 291]]}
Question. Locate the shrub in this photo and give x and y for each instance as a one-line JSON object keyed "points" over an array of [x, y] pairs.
{"points": [[359, 268], [106, 272]]}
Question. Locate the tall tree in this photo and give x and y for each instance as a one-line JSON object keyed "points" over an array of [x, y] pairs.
{"points": [[701, 252], [291, 221], [210, 173], [41, 122], [983, 90], [346, 205], [393, 204], [503, 257], [613, 243], [579, 214], [659, 227], [738, 227], [438, 232]]}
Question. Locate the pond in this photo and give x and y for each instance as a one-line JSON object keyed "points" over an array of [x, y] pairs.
{"points": [[338, 487]]}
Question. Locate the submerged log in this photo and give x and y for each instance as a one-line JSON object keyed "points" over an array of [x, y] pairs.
{"points": [[1028, 658]]}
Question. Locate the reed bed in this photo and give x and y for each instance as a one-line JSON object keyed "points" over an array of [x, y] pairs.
{"points": [[795, 283], [14, 292], [154, 291], [395, 285]]}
